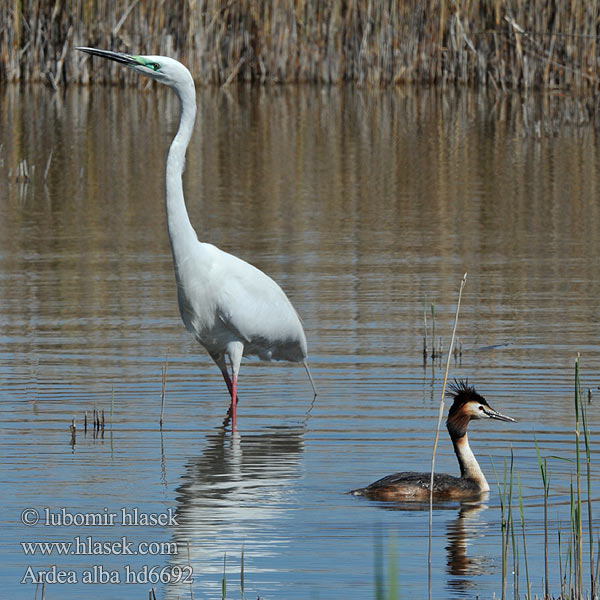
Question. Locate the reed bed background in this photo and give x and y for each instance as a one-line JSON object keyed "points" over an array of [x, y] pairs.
{"points": [[505, 44]]}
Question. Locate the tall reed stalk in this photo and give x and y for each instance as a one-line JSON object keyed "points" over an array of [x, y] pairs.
{"points": [[543, 466], [577, 531], [437, 431], [505, 493], [588, 464], [580, 412], [522, 515], [572, 568]]}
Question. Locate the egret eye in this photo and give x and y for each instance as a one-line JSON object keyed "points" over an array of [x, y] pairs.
{"points": [[155, 66]]}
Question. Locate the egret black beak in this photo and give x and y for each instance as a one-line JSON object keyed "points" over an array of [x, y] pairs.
{"points": [[492, 414], [124, 59]]}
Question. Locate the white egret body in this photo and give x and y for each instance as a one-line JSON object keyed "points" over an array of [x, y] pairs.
{"points": [[232, 308]]}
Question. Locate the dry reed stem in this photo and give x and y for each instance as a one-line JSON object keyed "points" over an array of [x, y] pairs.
{"points": [[439, 422], [164, 388], [507, 45]]}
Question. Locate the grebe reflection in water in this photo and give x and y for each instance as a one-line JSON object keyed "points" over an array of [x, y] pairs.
{"points": [[468, 405]]}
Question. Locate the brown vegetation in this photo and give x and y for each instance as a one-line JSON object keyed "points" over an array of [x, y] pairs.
{"points": [[505, 44]]}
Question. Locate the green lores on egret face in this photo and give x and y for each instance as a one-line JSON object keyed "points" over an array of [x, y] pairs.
{"points": [[145, 62]]}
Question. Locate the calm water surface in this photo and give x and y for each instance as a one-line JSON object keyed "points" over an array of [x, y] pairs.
{"points": [[362, 205]]}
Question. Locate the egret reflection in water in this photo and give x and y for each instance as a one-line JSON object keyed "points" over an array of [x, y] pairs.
{"points": [[239, 490]]}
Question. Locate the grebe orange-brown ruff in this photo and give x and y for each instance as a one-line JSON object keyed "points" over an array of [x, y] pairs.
{"points": [[407, 485]]}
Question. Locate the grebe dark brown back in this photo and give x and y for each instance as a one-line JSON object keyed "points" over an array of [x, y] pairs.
{"points": [[407, 485]]}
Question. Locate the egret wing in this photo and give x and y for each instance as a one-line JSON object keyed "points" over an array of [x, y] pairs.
{"points": [[256, 309]]}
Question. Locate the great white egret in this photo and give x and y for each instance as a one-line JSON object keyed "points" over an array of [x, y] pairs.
{"points": [[232, 308]]}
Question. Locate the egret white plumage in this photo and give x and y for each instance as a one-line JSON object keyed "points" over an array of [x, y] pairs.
{"points": [[232, 308]]}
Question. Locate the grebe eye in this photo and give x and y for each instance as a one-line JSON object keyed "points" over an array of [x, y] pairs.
{"points": [[480, 407]]}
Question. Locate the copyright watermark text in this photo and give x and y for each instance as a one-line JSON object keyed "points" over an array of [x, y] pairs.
{"points": [[93, 545], [127, 517]]}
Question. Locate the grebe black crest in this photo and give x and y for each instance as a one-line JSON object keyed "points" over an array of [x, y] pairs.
{"points": [[468, 405]]}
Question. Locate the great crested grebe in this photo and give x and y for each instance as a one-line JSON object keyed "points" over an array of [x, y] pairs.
{"points": [[408, 485]]}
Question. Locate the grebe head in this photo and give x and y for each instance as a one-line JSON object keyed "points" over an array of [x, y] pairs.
{"points": [[468, 404]]}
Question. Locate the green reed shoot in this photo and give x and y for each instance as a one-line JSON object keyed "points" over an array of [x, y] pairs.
{"points": [[597, 572], [588, 464], [507, 534], [522, 515], [515, 549], [573, 544], [581, 426], [190, 566], [502, 499], [224, 578], [379, 576], [381, 580], [242, 574], [505, 526], [571, 571], [562, 576], [511, 528], [392, 570], [546, 483], [577, 529]]}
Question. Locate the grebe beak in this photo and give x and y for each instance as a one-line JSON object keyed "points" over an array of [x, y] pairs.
{"points": [[489, 412]]}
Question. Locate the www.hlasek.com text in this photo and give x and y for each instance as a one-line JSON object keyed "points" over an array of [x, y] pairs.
{"points": [[82, 546]]}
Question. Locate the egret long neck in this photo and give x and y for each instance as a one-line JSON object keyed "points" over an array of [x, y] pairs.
{"points": [[181, 232], [469, 467]]}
